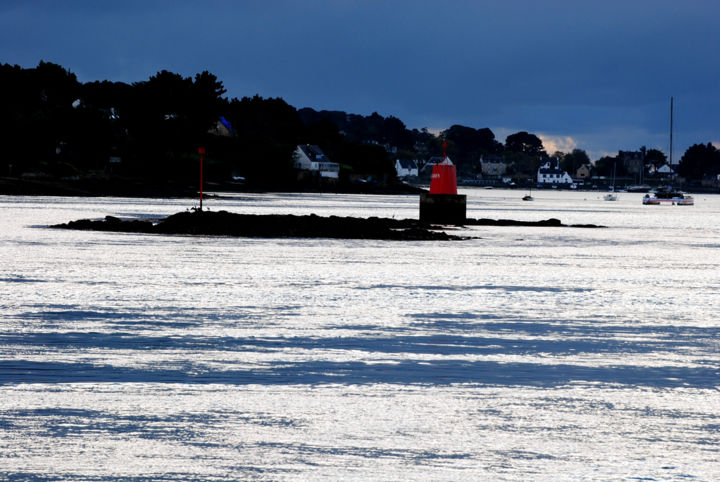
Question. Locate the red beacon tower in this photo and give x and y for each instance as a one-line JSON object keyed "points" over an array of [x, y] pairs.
{"points": [[444, 178], [443, 205]]}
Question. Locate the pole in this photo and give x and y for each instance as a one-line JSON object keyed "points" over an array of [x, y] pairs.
{"points": [[201, 151], [671, 130]]}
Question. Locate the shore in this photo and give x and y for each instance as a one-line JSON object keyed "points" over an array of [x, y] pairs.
{"points": [[127, 187], [102, 186]]}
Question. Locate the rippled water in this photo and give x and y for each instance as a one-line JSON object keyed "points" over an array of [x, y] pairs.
{"points": [[526, 353]]}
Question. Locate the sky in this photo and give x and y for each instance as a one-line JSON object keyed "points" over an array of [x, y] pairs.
{"points": [[593, 75]]}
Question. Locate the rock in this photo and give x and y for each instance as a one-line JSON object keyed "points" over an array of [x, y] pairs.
{"points": [[223, 223], [551, 222]]}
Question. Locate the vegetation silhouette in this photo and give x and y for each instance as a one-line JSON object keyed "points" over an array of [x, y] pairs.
{"points": [[142, 138]]}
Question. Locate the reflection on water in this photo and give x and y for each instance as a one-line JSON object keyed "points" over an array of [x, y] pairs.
{"points": [[587, 352]]}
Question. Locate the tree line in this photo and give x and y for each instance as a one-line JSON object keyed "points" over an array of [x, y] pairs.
{"points": [[55, 125]]}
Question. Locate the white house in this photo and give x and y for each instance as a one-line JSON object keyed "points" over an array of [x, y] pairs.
{"points": [[406, 168], [311, 158], [550, 173], [665, 170]]}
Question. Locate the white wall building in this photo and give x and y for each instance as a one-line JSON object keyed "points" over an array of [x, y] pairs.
{"points": [[312, 158], [665, 170], [550, 173], [406, 168]]}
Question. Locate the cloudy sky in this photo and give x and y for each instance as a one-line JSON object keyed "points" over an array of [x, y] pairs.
{"points": [[592, 75]]}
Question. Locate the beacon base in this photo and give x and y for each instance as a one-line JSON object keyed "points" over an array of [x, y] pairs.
{"points": [[443, 208]]}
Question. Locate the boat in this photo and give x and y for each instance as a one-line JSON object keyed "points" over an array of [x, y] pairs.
{"points": [[528, 196], [668, 196], [611, 196]]}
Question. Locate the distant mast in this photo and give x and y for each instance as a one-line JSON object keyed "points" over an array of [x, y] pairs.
{"points": [[201, 151], [671, 131]]}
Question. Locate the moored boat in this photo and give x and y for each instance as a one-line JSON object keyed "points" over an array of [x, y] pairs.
{"points": [[528, 196], [610, 197], [668, 197]]}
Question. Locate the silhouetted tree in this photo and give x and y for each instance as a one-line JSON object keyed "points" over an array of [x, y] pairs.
{"points": [[700, 160], [366, 160], [206, 102], [604, 167], [394, 133], [467, 145], [365, 129], [572, 161], [655, 158], [268, 131], [524, 153], [37, 114], [526, 143]]}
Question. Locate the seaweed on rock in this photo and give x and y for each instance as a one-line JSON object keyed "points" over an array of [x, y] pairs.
{"points": [[224, 223]]}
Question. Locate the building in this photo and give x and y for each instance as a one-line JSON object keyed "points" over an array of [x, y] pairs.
{"points": [[632, 161], [222, 128], [425, 171], [493, 167], [551, 174], [667, 172], [406, 168], [583, 171], [311, 158]]}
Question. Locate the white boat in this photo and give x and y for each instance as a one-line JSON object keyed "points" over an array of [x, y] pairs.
{"points": [[668, 197], [611, 196]]}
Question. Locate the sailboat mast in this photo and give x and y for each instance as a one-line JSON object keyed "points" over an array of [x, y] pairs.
{"points": [[671, 130]]}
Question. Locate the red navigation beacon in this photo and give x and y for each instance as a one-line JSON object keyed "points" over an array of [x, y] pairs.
{"points": [[443, 205], [444, 176]]}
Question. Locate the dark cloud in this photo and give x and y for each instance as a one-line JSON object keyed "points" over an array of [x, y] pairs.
{"points": [[601, 74]]}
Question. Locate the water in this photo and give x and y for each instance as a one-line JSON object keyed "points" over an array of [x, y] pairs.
{"points": [[526, 353]]}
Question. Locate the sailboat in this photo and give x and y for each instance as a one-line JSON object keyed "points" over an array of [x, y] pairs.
{"points": [[528, 197], [611, 196], [669, 195]]}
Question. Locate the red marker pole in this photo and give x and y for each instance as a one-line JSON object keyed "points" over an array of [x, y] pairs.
{"points": [[201, 151]]}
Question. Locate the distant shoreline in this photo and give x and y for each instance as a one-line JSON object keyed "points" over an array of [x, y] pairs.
{"points": [[134, 188], [120, 187]]}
